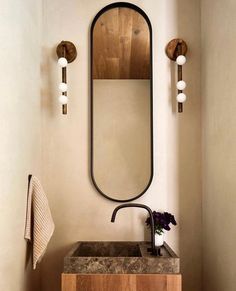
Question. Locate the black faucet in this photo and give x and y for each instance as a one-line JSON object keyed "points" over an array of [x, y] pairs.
{"points": [[113, 217]]}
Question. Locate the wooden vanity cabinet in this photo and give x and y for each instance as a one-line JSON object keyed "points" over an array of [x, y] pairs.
{"points": [[121, 282]]}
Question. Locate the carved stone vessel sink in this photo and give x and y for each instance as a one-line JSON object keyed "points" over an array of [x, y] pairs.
{"points": [[108, 249], [119, 258]]}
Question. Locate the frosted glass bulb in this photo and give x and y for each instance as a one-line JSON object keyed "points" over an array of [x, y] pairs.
{"points": [[63, 99], [62, 62], [181, 85], [63, 87], [181, 97], [181, 60]]}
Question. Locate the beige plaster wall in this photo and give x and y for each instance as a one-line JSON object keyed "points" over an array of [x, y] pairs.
{"points": [[20, 154], [79, 211], [219, 139]]}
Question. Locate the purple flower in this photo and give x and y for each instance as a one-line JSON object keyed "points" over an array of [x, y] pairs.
{"points": [[162, 221], [170, 218], [166, 227]]}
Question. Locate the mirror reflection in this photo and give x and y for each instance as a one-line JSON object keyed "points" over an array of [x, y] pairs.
{"points": [[121, 103]]}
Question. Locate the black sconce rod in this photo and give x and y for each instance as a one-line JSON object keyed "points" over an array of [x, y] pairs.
{"points": [[64, 106], [180, 75]]}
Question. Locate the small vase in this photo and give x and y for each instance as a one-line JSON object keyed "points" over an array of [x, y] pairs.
{"points": [[159, 239]]}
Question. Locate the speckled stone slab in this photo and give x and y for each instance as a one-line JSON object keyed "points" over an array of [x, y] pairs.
{"points": [[119, 258]]}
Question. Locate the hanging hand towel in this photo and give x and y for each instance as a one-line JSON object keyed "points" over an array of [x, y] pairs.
{"points": [[39, 224]]}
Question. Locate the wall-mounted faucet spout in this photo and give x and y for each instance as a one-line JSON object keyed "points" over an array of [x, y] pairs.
{"points": [[113, 217]]}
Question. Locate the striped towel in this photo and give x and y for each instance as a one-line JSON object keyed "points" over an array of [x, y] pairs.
{"points": [[39, 225]]}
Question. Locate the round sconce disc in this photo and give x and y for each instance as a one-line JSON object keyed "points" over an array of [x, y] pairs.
{"points": [[172, 48], [70, 51]]}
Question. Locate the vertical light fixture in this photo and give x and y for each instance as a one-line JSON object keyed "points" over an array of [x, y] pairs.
{"points": [[176, 50], [66, 52]]}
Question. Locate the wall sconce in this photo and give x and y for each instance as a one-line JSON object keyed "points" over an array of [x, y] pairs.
{"points": [[176, 50], [66, 52]]}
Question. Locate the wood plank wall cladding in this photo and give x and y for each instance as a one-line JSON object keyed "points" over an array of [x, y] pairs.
{"points": [[121, 45], [121, 282]]}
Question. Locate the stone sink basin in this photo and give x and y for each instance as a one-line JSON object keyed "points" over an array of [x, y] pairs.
{"points": [[97, 257]]}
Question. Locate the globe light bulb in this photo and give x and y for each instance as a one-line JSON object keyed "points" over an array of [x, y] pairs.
{"points": [[181, 97], [181, 85], [181, 60], [63, 87], [63, 99], [62, 62]]}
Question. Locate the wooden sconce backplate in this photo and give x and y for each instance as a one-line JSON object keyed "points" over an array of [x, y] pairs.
{"points": [[172, 48], [70, 51]]}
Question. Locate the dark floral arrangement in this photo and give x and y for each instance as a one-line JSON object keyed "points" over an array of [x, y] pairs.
{"points": [[162, 221]]}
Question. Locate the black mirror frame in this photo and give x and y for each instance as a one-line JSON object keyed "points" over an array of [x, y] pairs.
{"points": [[139, 10]]}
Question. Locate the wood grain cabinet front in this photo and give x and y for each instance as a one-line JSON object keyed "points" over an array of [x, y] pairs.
{"points": [[121, 282]]}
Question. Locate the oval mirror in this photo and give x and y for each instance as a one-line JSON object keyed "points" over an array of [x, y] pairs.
{"points": [[121, 102]]}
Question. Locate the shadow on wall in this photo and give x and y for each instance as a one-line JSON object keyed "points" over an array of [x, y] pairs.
{"points": [[32, 277], [189, 150], [53, 265], [47, 94]]}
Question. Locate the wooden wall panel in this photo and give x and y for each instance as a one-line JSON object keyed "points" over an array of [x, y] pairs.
{"points": [[121, 45], [121, 282]]}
